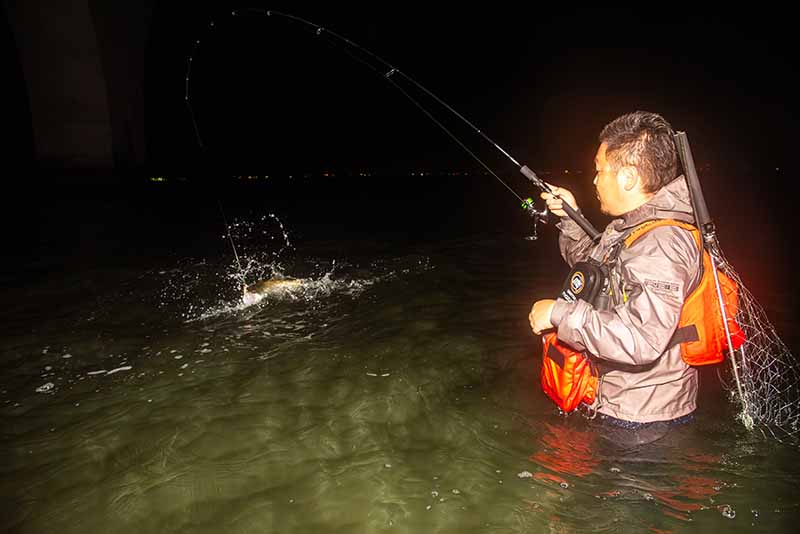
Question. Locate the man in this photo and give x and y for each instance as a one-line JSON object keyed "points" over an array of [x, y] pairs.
{"points": [[636, 180]]}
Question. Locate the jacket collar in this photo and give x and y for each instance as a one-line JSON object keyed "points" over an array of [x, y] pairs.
{"points": [[670, 202]]}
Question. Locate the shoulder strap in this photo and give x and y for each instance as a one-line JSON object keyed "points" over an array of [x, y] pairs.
{"points": [[646, 226], [641, 229], [688, 333]]}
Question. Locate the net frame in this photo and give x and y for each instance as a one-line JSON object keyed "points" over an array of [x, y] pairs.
{"points": [[762, 375]]}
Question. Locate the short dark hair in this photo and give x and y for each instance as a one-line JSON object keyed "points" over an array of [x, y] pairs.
{"points": [[646, 141]]}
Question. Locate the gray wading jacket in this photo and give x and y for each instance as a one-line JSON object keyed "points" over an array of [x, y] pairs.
{"points": [[649, 381]]}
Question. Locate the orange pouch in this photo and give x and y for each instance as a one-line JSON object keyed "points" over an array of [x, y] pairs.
{"points": [[568, 377], [708, 344]]}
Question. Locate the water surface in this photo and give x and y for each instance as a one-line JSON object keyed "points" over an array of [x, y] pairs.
{"points": [[395, 391]]}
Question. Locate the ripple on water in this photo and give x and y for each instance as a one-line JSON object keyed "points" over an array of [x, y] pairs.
{"points": [[375, 399]]}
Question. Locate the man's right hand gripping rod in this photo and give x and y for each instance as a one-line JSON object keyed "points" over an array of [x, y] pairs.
{"points": [[573, 214]]}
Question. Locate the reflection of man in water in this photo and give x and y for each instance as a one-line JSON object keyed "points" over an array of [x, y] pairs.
{"points": [[649, 382]]}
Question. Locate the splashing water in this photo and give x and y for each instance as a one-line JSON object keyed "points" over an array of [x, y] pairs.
{"points": [[336, 280], [259, 259], [202, 289]]}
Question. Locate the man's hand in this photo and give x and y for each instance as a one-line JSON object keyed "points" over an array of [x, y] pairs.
{"points": [[554, 204], [540, 315]]}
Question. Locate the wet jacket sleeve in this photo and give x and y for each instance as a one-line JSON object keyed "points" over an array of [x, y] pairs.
{"points": [[657, 272], [574, 243]]}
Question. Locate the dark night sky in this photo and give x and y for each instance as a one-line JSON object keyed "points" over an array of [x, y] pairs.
{"points": [[541, 82]]}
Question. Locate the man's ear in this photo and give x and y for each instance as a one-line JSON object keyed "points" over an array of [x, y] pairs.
{"points": [[629, 178]]}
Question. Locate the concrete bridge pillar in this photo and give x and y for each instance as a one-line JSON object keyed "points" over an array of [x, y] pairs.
{"points": [[83, 64]]}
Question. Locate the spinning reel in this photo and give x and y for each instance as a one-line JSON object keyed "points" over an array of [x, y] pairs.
{"points": [[537, 215]]}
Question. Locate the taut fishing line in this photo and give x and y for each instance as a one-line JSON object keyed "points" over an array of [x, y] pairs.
{"points": [[233, 246], [766, 380]]}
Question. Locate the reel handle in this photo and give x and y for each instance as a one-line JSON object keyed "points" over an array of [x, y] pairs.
{"points": [[537, 215]]}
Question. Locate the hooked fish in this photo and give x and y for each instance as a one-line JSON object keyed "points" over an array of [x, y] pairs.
{"points": [[255, 292]]}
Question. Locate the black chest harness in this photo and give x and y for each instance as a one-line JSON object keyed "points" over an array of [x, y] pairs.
{"points": [[591, 281]]}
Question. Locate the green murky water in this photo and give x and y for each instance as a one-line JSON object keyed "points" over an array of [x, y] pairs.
{"points": [[395, 391]]}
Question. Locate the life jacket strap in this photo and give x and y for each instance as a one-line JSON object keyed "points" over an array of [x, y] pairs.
{"points": [[684, 334], [646, 226]]}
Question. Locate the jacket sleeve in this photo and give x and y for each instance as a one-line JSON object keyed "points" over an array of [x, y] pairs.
{"points": [[573, 242], [659, 271]]}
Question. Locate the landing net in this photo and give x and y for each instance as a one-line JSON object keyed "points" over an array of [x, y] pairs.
{"points": [[766, 371]]}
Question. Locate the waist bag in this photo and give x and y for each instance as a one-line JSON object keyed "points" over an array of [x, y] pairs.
{"points": [[568, 376]]}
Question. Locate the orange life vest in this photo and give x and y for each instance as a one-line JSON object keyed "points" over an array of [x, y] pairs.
{"points": [[570, 377], [701, 332]]}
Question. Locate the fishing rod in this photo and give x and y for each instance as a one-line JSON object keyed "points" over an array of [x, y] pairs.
{"points": [[711, 244], [389, 73]]}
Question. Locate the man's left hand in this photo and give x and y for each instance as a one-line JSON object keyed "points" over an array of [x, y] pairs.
{"points": [[540, 315]]}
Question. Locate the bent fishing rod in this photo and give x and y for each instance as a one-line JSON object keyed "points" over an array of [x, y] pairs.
{"points": [[390, 73]]}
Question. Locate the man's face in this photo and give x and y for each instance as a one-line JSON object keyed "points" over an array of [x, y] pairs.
{"points": [[608, 185]]}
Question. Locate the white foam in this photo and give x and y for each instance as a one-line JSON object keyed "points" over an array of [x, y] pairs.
{"points": [[250, 299], [45, 388]]}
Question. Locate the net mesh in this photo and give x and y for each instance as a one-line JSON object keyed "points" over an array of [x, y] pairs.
{"points": [[763, 376]]}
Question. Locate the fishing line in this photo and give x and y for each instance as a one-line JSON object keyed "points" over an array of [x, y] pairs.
{"points": [[233, 246], [389, 72], [186, 94], [200, 142]]}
